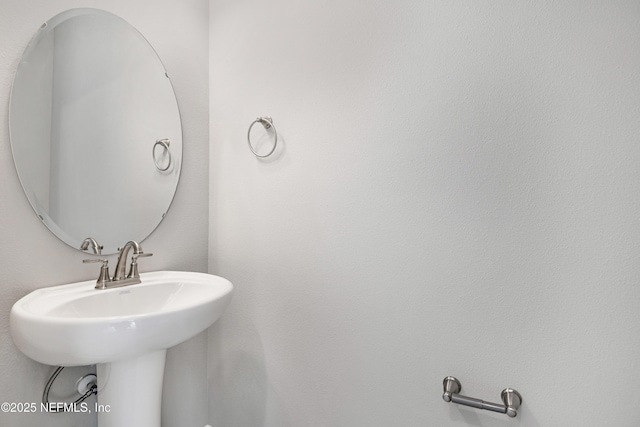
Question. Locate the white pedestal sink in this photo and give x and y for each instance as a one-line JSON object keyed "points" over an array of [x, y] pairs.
{"points": [[124, 331]]}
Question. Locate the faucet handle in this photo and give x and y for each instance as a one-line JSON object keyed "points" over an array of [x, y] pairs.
{"points": [[133, 269], [103, 278], [104, 261]]}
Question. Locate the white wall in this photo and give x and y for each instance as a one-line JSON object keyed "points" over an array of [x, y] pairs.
{"points": [[459, 194], [31, 257]]}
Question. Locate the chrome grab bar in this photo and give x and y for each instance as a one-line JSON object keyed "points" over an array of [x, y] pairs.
{"points": [[510, 397]]}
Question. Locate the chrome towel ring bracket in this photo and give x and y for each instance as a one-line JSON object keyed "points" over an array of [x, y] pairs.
{"points": [[164, 143], [267, 122]]}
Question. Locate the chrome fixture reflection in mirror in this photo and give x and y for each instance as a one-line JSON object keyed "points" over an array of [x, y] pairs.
{"points": [[95, 130]]}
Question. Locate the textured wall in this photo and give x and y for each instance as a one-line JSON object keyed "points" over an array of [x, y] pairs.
{"points": [[31, 257], [459, 194]]}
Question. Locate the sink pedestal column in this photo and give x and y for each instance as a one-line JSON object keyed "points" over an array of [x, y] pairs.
{"points": [[130, 391]]}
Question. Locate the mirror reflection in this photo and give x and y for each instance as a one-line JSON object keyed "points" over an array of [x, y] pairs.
{"points": [[95, 130]]}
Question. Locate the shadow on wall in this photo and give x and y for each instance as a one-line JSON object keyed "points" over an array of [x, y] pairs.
{"points": [[480, 418], [238, 388]]}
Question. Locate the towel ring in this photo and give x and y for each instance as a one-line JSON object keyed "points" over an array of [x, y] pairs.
{"points": [[165, 144], [267, 122]]}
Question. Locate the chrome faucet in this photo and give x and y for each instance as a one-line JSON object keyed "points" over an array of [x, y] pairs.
{"points": [[122, 259], [97, 248], [119, 278]]}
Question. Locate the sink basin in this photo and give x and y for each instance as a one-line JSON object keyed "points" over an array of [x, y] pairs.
{"points": [[75, 324], [124, 331]]}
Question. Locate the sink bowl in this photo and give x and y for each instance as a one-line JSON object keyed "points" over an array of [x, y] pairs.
{"points": [[75, 324]]}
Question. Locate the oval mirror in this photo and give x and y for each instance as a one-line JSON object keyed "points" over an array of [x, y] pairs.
{"points": [[95, 130]]}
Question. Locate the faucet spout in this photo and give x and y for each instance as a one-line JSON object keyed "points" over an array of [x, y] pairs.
{"points": [[122, 259]]}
